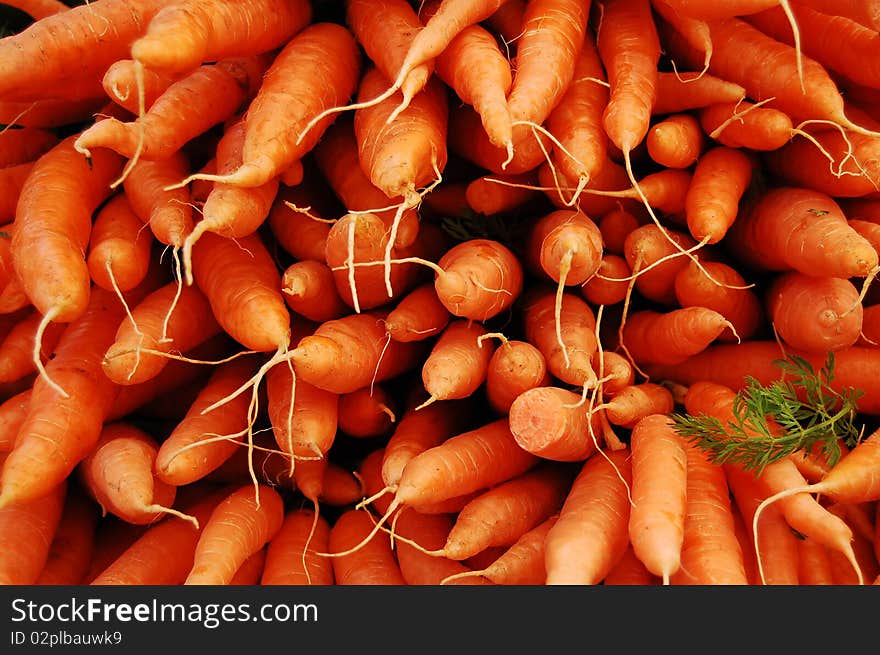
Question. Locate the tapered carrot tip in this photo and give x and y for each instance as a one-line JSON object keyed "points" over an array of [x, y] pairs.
{"points": [[316, 356]]}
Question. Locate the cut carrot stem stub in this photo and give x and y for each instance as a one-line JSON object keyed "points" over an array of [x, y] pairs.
{"points": [[554, 423]]}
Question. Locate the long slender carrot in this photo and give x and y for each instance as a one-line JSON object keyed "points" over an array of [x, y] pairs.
{"points": [[71, 45], [163, 553], [28, 528], [430, 531], [169, 319], [71, 423], [193, 447], [291, 556], [710, 552], [319, 66], [659, 491], [73, 542], [522, 563], [590, 535], [180, 38], [374, 563], [240, 525], [54, 217]]}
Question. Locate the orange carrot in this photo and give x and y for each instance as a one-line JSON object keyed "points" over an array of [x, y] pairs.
{"points": [[813, 312], [798, 85], [58, 53], [17, 347], [659, 493], [320, 65], [744, 124], [864, 13], [418, 315], [520, 564], [299, 234], [416, 432], [474, 67], [230, 211], [54, 217], [168, 212], [504, 513], [240, 525], [802, 512], [169, 319], [676, 142], [552, 423], [458, 362], [777, 543], [373, 563], [610, 284], [497, 194], [719, 287], [119, 474], [27, 530], [515, 367], [430, 531], [788, 227], [120, 82], [720, 179], [565, 246], [348, 353], [359, 238], [710, 552], [291, 556], [161, 555], [23, 145], [68, 422], [181, 38], [652, 337], [119, 253], [13, 411], [814, 563], [629, 48], [439, 473], [189, 107], [404, 155], [590, 535], [367, 412], [304, 417], [649, 246], [192, 449], [309, 288], [236, 298], [73, 542], [684, 91], [565, 336], [576, 121], [338, 159], [824, 38], [630, 571], [12, 180]]}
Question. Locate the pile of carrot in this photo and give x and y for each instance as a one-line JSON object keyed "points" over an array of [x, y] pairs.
{"points": [[386, 292]]}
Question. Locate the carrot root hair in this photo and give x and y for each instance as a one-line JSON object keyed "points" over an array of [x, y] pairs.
{"points": [[38, 347]]}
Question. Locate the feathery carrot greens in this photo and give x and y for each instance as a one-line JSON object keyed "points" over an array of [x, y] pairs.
{"points": [[797, 412]]}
